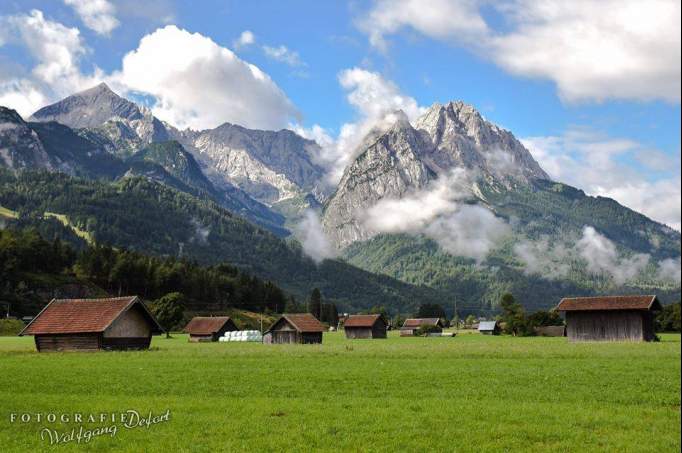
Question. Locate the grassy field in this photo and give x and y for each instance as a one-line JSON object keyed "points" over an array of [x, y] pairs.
{"points": [[469, 393]]}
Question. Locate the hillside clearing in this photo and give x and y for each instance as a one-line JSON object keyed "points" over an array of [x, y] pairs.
{"points": [[469, 393], [86, 236], [8, 213]]}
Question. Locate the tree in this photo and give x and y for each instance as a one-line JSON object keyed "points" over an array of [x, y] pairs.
{"points": [[292, 306], [431, 311], [668, 319], [169, 310], [379, 310], [397, 321], [470, 320], [545, 318], [315, 303], [330, 314], [514, 317]]}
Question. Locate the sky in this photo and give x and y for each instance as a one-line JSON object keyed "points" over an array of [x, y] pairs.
{"points": [[592, 88]]}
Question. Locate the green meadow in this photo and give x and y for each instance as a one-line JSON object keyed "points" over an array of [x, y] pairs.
{"points": [[469, 393]]}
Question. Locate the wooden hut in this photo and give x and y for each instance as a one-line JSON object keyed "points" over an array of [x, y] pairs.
{"points": [[412, 324], [204, 328], [295, 328], [610, 318], [365, 326], [117, 323], [489, 327]]}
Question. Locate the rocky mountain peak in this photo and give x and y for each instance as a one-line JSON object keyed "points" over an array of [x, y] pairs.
{"points": [[403, 158], [8, 115], [98, 107]]}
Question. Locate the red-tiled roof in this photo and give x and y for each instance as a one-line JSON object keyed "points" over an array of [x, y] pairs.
{"points": [[361, 320], [609, 303], [303, 322], [414, 323], [203, 325], [82, 315]]}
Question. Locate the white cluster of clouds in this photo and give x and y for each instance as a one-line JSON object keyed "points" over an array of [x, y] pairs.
{"points": [[199, 84], [601, 165], [375, 99], [602, 256], [245, 39], [670, 270], [595, 251], [311, 235], [591, 50], [440, 212], [57, 50], [284, 55], [97, 15], [193, 81]]}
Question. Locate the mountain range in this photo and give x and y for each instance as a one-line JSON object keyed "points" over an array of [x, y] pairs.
{"points": [[449, 207]]}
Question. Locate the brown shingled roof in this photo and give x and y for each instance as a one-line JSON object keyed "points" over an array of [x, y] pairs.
{"points": [[203, 325], [609, 303], [302, 322], [361, 320], [82, 315], [413, 323]]}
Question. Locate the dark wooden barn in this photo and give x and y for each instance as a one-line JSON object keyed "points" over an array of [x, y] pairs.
{"points": [[610, 318], [412, 324], [204, 328], [92, 324], [365, 326], [295, 328]]}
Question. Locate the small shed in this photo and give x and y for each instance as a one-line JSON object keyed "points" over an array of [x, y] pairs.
{"points": [[209, 328], [117, 323], [295, 328], [365, 326], [610, 318], [412, 324], [551, 331], [489, 327]]}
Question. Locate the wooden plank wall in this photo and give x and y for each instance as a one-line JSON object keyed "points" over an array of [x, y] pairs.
{"points": [[76, 342], [605, 325]]}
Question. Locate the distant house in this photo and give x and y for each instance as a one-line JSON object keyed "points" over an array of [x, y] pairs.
{"points": [[551, 331], [365, 326], [91, 324], [610, 318], [204, 328], [412, 324], [489, 327], [295, 328]]}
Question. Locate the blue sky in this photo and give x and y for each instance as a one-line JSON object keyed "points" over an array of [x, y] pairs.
{"points": [[626, 107]]}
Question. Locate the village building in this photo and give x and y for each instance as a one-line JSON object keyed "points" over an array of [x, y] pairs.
{"points": [[489, 327], [205, 328], [412, 324], [295, 328], [365, 326], [117, 323], [610, 318]]}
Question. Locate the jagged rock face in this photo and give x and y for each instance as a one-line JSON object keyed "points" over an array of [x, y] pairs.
{"points": [[20, 146], [270, 166], [407, 158], [461, 137], [388, 168], [95, 107]]}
